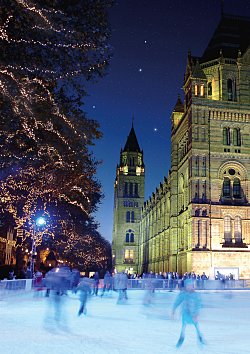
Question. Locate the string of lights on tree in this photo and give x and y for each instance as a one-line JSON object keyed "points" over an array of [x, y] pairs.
{"points": [[44, 132]]}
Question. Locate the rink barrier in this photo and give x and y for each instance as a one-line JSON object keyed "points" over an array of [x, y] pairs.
{"points": [[175, 284], [8, 287]]}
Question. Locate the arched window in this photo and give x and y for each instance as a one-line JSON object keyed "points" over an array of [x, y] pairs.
{"points": [[227, 229], [209, 89], [226, 136], [226, 187], [126, 188], [130, 236], [132, 216], [236, 137], [202, 91], [128, 216], [236, 188], [130, 189], [136, 189], [230, 89], [196, 90], [204, 212], [237, 229]]}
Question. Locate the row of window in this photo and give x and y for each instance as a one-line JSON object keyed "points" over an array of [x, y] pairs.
{"points": [[130, 189], [231, 188], [232, 227], [232, 230], [199, 90], [132, 204], [130, 216], [132, 161], [231, 136], [130, 236], [128, 256]]}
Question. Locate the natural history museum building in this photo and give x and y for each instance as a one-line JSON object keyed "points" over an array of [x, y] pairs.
{"points": [[198, 218]]}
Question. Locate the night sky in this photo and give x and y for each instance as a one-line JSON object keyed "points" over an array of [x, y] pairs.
{"points": [[150, 40]]}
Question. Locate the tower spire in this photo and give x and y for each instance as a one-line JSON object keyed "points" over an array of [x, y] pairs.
{"points": [[222, 8]]}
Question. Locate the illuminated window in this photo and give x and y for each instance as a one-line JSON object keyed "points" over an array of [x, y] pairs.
{"points": [[129, 255], [196, 90], [227, 229], [237, 229], [202, 90]]}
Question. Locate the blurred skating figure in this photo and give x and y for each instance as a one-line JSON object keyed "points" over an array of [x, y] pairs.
{"points": [[190, 306], [85, 291], [121, 284], [107, 282], [57, 282], [96, 283], [149, 291]]}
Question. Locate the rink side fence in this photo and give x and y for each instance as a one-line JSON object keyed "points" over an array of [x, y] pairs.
{"points": [[9, 287]]}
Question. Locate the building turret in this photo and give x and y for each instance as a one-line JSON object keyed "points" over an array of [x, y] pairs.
{"points": [[128, 200]]}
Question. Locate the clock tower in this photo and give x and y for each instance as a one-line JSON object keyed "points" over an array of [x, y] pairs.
{"points": [[128, 201]]}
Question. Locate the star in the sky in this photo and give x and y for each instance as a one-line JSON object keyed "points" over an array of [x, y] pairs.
{"points": [[93, 106], [145, 42], [140, 70], [155, 129]]}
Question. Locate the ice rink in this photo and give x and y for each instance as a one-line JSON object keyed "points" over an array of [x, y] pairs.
{"points": [[28, 324]]}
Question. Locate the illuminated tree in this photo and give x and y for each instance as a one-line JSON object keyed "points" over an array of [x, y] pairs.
{"points": [[49, 48]]}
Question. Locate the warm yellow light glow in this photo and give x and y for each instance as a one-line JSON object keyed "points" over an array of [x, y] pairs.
{"points": [[196, 90]]}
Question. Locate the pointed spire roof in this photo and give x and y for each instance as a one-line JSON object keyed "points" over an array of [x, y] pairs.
{"points": [[179, 107], [132, 142], [231, 35], [198, 73]]}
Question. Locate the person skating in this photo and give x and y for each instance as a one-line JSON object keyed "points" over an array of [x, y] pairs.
{"points": [[85, 290], [190, 306]]}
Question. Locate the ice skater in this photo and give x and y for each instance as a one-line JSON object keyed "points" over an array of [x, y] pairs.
{"points": [[85, 291], [190, 306]]}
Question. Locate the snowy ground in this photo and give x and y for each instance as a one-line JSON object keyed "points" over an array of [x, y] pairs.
{"points": [[28, 325]]}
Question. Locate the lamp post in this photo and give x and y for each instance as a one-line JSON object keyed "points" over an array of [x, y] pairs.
{"points": [[38, 223]]}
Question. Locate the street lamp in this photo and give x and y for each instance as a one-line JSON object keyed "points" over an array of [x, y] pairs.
{"points": [[38, 223]]}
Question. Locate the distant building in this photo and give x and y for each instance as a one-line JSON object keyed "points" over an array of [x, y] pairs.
{"points": [[198, 219]]}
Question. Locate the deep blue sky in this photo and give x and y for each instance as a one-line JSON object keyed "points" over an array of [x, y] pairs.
{"points": [[150, 40]]}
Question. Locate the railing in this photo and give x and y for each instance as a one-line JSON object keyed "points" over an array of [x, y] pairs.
{"points": [[12, 287], [8, 287], [173, 284]]}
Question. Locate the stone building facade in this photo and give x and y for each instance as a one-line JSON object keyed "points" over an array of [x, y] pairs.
{"points": [[198, 219]]}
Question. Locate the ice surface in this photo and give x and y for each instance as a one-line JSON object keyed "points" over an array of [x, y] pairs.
{"points": [[28, 325]]}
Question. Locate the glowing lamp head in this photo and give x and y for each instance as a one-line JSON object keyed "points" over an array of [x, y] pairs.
{"points": [[40, 221]]}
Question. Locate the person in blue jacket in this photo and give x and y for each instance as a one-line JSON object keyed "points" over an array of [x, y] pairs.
{"points": [[190, 303]]}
